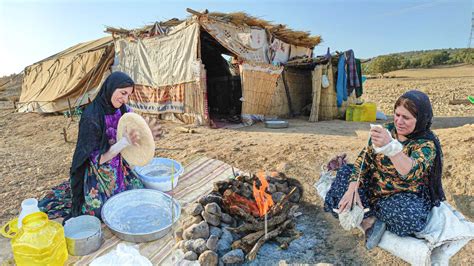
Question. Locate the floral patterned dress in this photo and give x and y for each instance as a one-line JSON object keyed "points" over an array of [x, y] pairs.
{"points": [[401, 201], [100, 181]]}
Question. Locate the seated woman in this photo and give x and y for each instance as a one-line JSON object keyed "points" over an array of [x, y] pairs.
{"points": [[98, 171], [399, 173]]}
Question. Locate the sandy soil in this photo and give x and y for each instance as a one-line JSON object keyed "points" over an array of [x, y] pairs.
{"points": [[35, 157]]}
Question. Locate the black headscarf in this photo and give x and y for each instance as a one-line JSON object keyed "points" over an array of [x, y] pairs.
{"points": [[422, 130], [92, 134]]}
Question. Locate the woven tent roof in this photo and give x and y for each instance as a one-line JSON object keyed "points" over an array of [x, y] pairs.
{"points": [[281, 31]]}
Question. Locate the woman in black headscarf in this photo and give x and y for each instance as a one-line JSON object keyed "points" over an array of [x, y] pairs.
{"points": [[398, 176], [98, 171]]}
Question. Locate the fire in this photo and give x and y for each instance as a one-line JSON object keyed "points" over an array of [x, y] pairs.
{"points": [[264, 200]]}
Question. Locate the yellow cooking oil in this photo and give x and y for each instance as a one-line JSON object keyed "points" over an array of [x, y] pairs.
{"points": [[369, 112], [39, 242], [357, 113]]}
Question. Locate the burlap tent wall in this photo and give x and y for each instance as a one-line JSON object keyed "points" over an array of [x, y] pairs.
{"points": [[73, 74], [171, 77]]}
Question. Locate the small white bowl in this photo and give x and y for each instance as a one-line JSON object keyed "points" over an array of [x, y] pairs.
{"points": [[157, 174]]}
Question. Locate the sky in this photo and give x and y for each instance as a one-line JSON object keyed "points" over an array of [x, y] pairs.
{"points": [[32, 30]]}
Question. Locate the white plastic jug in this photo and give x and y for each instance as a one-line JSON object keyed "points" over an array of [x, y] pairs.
{"points": [[28, 206]]}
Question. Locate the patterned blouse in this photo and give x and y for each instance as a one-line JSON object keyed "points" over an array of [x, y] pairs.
{"points": [[381, 174]]}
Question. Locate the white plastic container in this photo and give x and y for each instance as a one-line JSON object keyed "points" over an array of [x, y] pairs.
{"points": [[157, 174], [28, 206]]}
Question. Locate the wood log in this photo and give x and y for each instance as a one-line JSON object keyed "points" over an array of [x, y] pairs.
{"points": [[234, 199], [242, 214], [260, 225], [459, 101], [285, 238], [277, 207], [247, 242], [274, 233]]}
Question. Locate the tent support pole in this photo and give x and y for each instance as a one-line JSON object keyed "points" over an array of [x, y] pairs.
{"points": [[70, 110], [288, 97]]}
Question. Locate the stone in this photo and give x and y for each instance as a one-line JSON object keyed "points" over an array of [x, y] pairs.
{"points": [[188, 245], [227, 236], [190, 255], [206, 199], [212, 243], [224, 244], [213, 208], [215, 231], [246, 190], [179, 234], [208, 258], [181, 244], [277, 196], [211, 219], [296, 196], [226, 218], [272, 188], [199, 245], [194, 209], [234, 256], [186, 223], [195, 231], [282, 187]]}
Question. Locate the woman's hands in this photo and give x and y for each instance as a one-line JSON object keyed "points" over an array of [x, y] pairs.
{"points": [[380, 136], [349, 198], [156, 129], [132, 136]]}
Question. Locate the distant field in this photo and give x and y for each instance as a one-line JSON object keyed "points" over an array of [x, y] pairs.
{"points": [[439, 72], [441, 85]]}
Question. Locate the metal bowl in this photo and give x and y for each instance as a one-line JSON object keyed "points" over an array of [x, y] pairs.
{"points": [[140, 215], [276, 124], [83, 235]]}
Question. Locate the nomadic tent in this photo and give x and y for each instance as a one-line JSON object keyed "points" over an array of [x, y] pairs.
{"points": [[209, 65], [72, 75], [212, 64]]}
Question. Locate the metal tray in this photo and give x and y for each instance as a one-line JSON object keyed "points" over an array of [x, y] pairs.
{"points": [[140, 215], [276, 124]]}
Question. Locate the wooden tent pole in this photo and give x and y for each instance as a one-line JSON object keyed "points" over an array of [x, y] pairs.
{"points": [[317, 72], [194, 12], [287, 91], [70, 109]]}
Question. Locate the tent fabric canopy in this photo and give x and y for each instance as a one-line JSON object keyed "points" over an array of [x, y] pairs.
{"points": [[67, 75]]}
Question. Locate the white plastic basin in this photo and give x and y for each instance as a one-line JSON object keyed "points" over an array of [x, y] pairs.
{"points": [[160, 173]]}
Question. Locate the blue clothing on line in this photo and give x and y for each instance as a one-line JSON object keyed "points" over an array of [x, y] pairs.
{"points": [[341, 86]]}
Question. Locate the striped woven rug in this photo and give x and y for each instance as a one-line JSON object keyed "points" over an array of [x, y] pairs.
{"points": [[200, 173]]}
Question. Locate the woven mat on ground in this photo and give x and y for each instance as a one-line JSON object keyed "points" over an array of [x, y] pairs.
{"points": [[198, 178]]}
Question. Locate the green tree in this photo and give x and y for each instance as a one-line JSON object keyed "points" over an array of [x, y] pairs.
{"points": [[384, 64]]}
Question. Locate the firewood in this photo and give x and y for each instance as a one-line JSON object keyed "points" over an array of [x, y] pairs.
{"points": [[221, 186], [276, 220], [277, 207], [274, 233], [235, 210], [284, 241], [232, 198]]}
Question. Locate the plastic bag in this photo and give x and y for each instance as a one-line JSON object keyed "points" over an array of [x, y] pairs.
{"points": [[122, 255], [324, 183], [325, 81]]}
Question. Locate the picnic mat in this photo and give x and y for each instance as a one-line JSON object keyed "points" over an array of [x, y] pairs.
{"points": [[199, 175]]}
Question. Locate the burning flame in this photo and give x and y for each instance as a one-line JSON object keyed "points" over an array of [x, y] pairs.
{"points": [[264, 200]]}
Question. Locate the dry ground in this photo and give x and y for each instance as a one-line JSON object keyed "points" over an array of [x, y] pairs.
{"points": [[34, 156]]}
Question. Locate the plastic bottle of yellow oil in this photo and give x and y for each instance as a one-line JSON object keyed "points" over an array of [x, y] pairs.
{"points": [[39, 242]]}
